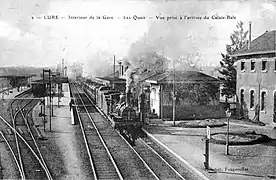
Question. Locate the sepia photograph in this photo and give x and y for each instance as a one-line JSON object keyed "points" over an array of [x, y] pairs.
{"points": [[138, 89]]}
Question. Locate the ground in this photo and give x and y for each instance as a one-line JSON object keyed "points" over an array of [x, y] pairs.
{"points": [[202, 123], [8, 166], [253, 161]]}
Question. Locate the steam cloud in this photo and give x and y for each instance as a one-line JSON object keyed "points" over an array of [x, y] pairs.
{"points": [[99, 64]]}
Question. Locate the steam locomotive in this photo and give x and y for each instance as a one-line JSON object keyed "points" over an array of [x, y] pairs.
{"points": [[125, 113]]}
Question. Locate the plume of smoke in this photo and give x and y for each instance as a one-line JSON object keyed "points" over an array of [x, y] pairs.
{"points": [[98, 64], [131, 75], [75, 70]]}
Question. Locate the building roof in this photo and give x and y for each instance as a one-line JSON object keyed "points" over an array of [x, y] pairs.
{"points": [[266, 43], [111, 79], [12, 75], [182, 77], [53, 80]]}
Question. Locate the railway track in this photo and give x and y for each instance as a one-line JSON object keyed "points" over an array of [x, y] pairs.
{"points": [[101, 160], [22, 143], [149, 164]]}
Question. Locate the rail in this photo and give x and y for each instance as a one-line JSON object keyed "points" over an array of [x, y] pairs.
{"points": [[85, 141], [101, 138], [16, 133], [140, 157], [44, 166]]}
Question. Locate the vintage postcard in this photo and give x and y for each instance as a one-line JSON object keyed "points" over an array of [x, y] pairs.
{"points": [[137, 89]]}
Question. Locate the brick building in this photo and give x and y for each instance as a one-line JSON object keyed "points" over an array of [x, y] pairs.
{"points": [[188, 84], [256, 79]]}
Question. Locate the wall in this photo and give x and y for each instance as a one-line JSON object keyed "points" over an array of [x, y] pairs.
{"points": [[187, 109], [155, 99], [194, 112], [258, 81]]}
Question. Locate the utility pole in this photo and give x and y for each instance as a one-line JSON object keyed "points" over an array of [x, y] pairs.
{"points": [[53, 84], [50, 98], [62, 67], [228, 114], [65, 71], [174, 93], [44, 90], [114, 66], [259, 103], [58, 93], [50, 89], [206, 163]]}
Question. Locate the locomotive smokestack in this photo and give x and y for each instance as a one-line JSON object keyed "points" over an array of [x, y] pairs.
{"points": [[122, 98], [128, 94]]}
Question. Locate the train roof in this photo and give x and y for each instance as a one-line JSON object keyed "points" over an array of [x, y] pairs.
{"points": [[104, 88]]}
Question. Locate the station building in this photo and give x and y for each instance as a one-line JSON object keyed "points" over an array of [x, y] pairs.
{"points": [[256, 79], [187, 83]]}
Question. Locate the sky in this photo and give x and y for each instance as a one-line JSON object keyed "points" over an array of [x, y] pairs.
{"points": [[28, 39]]}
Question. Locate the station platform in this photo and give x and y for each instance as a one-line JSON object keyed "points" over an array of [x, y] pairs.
{"points": [[64, 139], [247, 162], [11, 93]]}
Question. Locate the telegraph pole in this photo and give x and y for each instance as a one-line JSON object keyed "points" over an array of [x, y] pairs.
{"points": [[50, 89], [50, 98], [44, 90], [174, 93], [114, 66], [53, 83], [228, 115]]}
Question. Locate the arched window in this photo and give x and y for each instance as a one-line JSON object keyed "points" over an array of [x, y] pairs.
{"points": [[252, 98], [242, 96], [263, 98]]}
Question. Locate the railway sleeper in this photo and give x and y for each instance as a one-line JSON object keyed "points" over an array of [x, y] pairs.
{"points": [[9, 131], [39, 134], [130, 133], [20, 131]]}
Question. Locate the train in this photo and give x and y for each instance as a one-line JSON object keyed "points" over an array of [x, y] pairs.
{"points": [[38, 89], [125, 113]]}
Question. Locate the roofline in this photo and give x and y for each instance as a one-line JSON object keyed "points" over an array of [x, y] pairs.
{"points": [[183, 81], [151, 81], [253, 53]]}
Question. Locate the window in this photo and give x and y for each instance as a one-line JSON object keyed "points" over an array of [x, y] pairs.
{"points": [[242, 97], [264, 65], [242, 66], [252, 65], [251, 98], [274, 64], [263, 96], [126, 68], [122, 70]]}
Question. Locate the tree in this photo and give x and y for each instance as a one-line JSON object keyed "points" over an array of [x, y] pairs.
{"points": [[150, 63], [229, 72], [191, 61], [238, 41]]}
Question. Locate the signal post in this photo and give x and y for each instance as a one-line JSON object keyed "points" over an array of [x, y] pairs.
{"points": [[207, 138]]}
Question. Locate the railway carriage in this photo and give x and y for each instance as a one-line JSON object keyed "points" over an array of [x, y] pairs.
{"points": [[38, 89], [123, 114]]}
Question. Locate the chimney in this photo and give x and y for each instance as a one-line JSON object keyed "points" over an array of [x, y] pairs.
{"points": [[62, 67], [120, 68], [249, 41]]}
